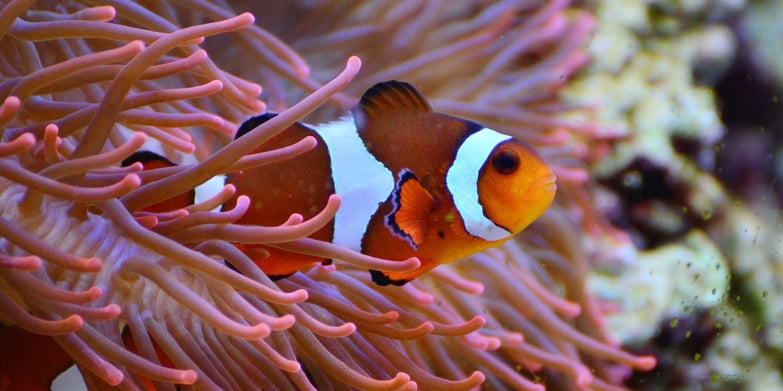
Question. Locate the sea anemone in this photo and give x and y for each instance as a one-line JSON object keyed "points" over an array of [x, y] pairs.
{"points": [[82, 261]]}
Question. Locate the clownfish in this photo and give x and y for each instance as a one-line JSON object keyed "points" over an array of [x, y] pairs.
{"points": [[29, 361], [149, 161], [33, 362], [414, 183]]}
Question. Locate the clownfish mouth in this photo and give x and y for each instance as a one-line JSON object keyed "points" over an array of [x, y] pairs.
{"points": [[549, 181]]}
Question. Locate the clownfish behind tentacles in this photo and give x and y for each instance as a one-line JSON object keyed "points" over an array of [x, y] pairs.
{"points": [[414, 183]]}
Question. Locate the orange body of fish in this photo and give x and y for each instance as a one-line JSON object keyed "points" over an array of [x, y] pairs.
{"points": [[32, 362], [414, 183]]}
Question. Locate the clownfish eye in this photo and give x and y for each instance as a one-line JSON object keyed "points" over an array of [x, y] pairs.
{"points": [[506, 162]]}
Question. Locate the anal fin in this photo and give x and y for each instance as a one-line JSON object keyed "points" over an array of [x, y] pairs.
{"points": [[382, 279]]}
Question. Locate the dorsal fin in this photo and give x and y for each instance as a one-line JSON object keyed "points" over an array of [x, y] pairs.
{"points": [[392, 96], [252, 122], [151, 160], [145, 157]]}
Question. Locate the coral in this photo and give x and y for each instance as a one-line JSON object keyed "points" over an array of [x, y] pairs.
{"points": [[82, 262], [657, 64], [760, 27], [654, 179], [654, 100], [672, 279], [751, 242]]}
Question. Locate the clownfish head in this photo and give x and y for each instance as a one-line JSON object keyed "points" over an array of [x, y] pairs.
{"points": [[515, 186], [500, 185]]}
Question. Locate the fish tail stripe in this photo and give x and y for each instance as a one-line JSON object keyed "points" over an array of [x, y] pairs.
{"points": [[462, 181]]}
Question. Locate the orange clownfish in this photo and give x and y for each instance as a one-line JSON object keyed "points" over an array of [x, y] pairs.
{"points": [[149, 161], [29, 361], [33, 362], [413, 182]]}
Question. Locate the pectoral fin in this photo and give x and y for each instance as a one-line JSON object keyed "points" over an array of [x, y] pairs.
{"points": [[412, 205]]}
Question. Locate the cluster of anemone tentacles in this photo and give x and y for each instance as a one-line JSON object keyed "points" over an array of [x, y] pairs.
{"points": [[85, 85]]}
